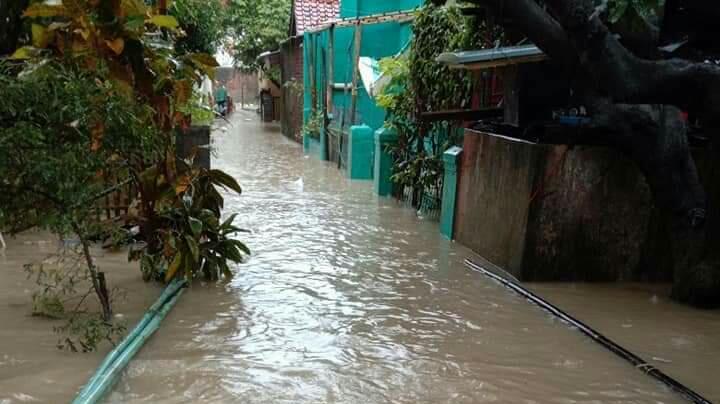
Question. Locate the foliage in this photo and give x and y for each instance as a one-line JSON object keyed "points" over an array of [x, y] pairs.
{"points": [[633, 10], [257, 26], [419, 84], [93, 101], [202, 22], [314, 124], [200, 112], [191, 240], [64, 286], [295, 88], [62, 130], [273, 73]]}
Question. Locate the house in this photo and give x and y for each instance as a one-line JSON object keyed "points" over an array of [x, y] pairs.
{"points": [[306, 15], [271, 105], [334, 93]]}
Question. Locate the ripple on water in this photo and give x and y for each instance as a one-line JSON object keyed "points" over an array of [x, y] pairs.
{"points": [[352, 299]]}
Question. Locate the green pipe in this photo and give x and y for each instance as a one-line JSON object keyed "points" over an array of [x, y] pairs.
{"points": [[109, 370], [167, 293]]}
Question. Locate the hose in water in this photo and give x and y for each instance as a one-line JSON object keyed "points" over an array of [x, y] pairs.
{"points": [[110, 369], [613, 347]]}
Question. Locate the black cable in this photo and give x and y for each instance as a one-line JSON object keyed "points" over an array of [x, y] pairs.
{"points": [[623, 353]]}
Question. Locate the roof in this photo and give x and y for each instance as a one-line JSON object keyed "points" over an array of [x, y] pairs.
{"points": [[486, 58], [272, 57], [311, 13]]}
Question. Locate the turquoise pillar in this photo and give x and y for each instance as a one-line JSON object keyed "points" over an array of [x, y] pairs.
{"points": [[451, 158], [360, 153], [384, 137], [307, 94]]}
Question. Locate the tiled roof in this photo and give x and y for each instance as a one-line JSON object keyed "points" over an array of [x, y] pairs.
{"points": [[311, 13]]}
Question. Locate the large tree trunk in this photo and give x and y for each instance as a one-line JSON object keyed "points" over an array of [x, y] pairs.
{"points": [[10, 24], [616, 75], [655, 137]]}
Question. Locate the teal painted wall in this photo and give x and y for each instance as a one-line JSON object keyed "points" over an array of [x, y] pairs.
{"points": [[355, 8], [378, 41]]}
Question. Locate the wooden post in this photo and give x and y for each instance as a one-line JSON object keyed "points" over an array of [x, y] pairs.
{"points": [[331, 68], [162, 7], [311, 68], [356, 61]]}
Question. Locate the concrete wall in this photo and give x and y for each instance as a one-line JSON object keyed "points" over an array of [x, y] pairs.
{"points": [[239, 84], [547, 212], [495, 183]]}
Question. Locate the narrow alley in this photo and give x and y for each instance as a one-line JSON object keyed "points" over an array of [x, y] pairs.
{"points": [[351, 298]]}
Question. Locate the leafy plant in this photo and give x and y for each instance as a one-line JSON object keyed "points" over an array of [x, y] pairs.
{"points": [[92, 102], [647, 10], [202, 23], [419, 84], [64, 286], [314, 124], [256, 26], [64, 137], [191, 240]]}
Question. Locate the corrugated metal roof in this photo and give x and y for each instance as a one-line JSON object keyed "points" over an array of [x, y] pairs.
{"points": [[312, 13], [484, 58]]}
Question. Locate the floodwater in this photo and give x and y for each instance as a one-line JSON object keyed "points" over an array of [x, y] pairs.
{"points": [[32, 369], [351, 298]]}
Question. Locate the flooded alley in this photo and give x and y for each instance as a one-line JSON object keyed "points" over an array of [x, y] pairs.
{"points": [[350, 298]]}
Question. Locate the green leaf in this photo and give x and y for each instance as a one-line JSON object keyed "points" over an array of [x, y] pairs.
{"points": [[196, 226], [164, 21], [24, 53], [194, 249], [134, 23], [228, 223], [173, 268], [617, 10], [241, 246], [40, 37], [224, 179]]}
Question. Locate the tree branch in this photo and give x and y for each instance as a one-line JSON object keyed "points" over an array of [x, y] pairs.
{"points": [[624, 77]]}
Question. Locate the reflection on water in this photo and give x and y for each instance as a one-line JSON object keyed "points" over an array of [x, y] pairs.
{"points": [[352, 299]]}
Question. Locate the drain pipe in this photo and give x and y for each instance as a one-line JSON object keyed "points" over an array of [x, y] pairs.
{"points": [[623, 353], [110, 369]]}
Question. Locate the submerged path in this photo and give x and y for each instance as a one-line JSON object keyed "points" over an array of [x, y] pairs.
{"points": [[350, 298]]}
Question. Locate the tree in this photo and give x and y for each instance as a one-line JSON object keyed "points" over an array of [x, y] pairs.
{"points": [[93, 99], [636, 96], [203, 24], [256, 26]]}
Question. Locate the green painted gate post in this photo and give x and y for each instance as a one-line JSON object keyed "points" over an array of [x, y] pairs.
{"points": [[383, 161], [307, 93], [451, 158], [360, 151]]}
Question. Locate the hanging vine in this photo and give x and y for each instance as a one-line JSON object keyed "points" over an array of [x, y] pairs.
{"points": [[419, 84]]}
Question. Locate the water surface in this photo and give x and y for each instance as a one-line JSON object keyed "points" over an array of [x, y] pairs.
{"points": [[350, 298]]}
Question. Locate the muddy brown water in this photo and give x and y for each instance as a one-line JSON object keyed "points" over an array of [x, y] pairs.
{"points": [[350, 298]]}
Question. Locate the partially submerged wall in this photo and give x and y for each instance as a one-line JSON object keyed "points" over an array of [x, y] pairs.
{"points": [[547, 212]]}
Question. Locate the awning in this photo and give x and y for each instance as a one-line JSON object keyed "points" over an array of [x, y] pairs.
{"points": [[496, 57]]}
